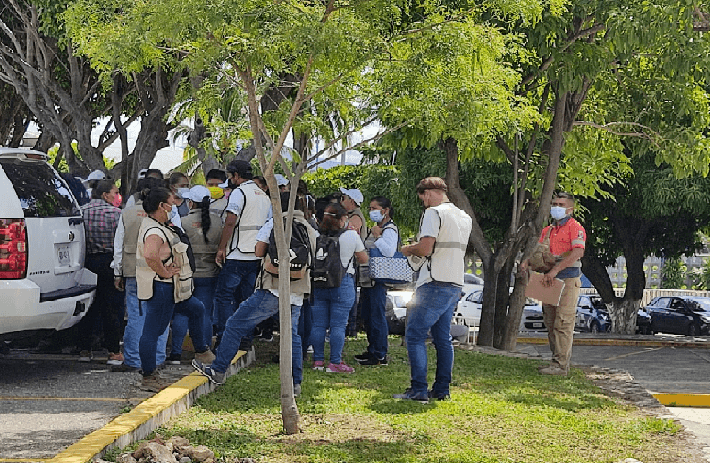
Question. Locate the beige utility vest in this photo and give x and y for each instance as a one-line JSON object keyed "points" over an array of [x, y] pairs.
{"points": [[144, 274], [204, 252], [253, 216], [132, 218], [446, 263], [363, 229]]}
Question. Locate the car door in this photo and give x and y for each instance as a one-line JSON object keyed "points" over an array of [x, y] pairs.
{"points": [[678, 319], [658, 310]]}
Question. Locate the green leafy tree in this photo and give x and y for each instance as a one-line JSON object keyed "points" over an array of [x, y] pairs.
{"points": [[673, 273]]}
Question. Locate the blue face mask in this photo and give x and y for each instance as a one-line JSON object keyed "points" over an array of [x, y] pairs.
{"points": [[558, 212], [376, 215]]}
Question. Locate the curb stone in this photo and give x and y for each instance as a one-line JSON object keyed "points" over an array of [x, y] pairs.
{"points": [[147, 416]]}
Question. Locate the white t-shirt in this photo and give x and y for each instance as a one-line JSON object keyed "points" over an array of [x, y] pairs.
{"points": [[350, 243]]}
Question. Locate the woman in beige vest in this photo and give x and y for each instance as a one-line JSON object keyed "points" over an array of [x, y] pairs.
{"points": [[160, 256], [204, 228]]}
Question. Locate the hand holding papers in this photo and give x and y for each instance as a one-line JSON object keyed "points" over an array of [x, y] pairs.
{"points": [[546, 294]]}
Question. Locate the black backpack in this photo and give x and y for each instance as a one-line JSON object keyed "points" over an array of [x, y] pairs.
{"points": [[299, 250], [328, 270]]}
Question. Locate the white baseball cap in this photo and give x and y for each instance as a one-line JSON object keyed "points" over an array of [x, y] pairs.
{"points": [[96, 175], [354, 193], [198, 193], [281, 180]]}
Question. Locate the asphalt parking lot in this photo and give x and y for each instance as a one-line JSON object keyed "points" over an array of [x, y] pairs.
{"points": [[48, 402]]}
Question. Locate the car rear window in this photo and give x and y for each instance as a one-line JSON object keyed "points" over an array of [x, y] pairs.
{"points": [[41, 192]]}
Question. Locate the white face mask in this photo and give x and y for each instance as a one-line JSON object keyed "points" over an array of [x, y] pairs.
{"points": [[558, 212]]}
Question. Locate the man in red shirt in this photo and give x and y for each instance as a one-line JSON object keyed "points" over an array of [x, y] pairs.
{"points": [[567, 240]]}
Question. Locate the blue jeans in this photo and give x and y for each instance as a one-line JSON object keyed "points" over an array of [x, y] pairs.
{"points": [[305, 326], [434, 308], [260, 306], [373, 301], [204, 291], [158, 313], [235, 283], [134, 329], [331, 309]]}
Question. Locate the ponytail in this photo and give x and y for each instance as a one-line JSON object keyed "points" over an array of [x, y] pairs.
{"points": [[206, 220]]}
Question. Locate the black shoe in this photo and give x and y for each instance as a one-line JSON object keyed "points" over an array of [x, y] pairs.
{"points": [[438, 396], [373, 360], [174, 359], [421, 397], [364, 356]]}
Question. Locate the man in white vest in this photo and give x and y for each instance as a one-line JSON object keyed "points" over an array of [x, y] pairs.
{"points": [[246, 213], [441, 245]]}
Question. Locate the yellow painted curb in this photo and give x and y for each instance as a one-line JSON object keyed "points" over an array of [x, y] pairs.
{"points": [[684, 400], [96, 442]]}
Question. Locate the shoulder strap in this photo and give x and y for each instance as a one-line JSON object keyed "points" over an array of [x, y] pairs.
{"points": [[167, 240], [232, 245]]}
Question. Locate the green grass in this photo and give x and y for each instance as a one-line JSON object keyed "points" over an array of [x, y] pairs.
{"points": [[501, 410]]}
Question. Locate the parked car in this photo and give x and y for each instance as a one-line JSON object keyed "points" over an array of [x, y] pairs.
{"points": [[396, 310], [43, 282], [678, 315], [471, 283], [592, 315], [469, 307], [532, 316]]}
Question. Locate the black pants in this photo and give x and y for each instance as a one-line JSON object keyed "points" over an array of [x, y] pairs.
{"points": [[107, 311]]}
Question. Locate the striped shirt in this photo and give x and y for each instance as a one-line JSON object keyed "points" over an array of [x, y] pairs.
{"points": [[100, 222]]}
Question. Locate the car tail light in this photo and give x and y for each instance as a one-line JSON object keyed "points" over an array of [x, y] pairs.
{"points": [[13, 249]]}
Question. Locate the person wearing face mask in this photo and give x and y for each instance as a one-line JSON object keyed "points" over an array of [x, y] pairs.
{"points": [[180, 186], [214, 179], [204, 230], [160, 255], [567, 239], [373, 295], [247, 211], [101, 218]]}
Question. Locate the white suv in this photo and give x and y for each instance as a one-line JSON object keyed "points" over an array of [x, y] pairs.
{"points": [[43, 282]]}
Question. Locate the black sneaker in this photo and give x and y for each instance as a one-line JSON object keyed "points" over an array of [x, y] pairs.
{"points": [[215, 377], [438, 396], [373, 360], [174, 359], [364, 356], [421, 397]]}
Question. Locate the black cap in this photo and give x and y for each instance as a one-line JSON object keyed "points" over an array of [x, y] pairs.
{"points": [[240, 167]]}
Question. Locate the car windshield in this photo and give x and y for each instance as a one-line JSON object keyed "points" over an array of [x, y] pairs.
{"points": [[40, 191], [700, 305]]}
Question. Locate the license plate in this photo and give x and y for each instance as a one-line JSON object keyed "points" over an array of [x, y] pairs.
{"points": [[64, 254], [537, 325]]}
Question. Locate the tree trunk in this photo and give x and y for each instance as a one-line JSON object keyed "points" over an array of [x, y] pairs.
{"points": [[623, 313]]}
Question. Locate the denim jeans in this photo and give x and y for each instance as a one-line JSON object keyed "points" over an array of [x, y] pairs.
{"points": [[204, 291], [134, 329], [434, 308], [235, 283], [331, 309], [373, 301], [158, 313], [260, 306], [305, 326]]}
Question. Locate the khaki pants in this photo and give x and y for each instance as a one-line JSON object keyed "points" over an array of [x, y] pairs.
{"points": [[559, 321]]}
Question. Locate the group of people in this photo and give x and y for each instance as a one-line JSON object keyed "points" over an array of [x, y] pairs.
{"points": [[195, 259]]}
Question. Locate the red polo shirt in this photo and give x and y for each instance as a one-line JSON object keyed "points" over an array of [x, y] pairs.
{"points": [[565, 236]]}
